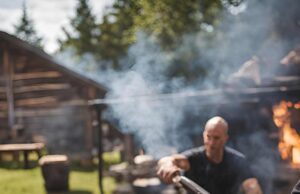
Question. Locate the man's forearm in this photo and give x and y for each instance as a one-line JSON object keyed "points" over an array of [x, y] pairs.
{"points": [[170, 166], [181, 161], [177, 159]]}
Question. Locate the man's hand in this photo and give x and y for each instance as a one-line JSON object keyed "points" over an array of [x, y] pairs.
{"points": [[251, 186], [167, 170], [170, 166]]}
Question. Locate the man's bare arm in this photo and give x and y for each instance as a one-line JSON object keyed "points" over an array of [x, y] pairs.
{"points": [[251, 186], [170, 166]]}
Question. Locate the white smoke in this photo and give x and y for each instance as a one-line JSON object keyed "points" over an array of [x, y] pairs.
{"points": [[165, 126]]}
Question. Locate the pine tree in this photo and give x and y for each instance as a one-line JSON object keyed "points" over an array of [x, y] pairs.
{"points": [[25, 30], [118, 31], [84, 38], [168, 20]]}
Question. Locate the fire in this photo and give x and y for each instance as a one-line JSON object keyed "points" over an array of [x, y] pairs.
{"points": [[289, 140]]}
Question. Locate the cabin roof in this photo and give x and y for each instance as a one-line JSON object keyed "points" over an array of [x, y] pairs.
{"points": [[51, 61]]}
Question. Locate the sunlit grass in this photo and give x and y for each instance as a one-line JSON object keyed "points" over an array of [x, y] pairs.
{"points": [[30, 181], [16, 180]]}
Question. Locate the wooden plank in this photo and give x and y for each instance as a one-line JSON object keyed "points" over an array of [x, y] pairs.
{"points": [[40, 112], [3, 105], [91, 93], [3, 122], [22, 59], [31, 68], [49, 109], [2, 97], [36, 75], [36, 101], [41, 87], [8, 75], [36, 106], [88, 132], [26, 82], [53, 104], [3, 115], [2, 89], [3, 133], [25, 148], [21, 147], [2, 80], [75, 102], [65, 94]]}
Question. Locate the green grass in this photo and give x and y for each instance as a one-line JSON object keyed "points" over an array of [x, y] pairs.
{"points": [[110, 158], [16, 180], [30, 181]]}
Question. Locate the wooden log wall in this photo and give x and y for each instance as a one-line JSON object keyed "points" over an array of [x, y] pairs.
{"points": [[44, 100], [3, 100], [8, 71], [3, 110]]}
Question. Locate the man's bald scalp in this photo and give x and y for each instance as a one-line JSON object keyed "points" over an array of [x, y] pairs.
{"points": [[216, 122]]}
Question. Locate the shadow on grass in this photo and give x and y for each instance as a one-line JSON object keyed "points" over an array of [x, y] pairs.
{"points": [[76, 166], [70, 192], [19, 165], [14, 165]]}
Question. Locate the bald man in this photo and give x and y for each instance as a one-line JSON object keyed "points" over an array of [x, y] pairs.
{"points": [[215, 167]]}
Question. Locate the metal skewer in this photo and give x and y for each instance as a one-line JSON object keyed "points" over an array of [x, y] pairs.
{"points": [[189, 185]]}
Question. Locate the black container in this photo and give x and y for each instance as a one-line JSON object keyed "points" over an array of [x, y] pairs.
{"points": [[55, 171]]}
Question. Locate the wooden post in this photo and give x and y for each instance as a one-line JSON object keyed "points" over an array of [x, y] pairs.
{"points": [[99, 109], [88, 130], [89, 140], [128, 151], [26, 161], [8, 74]]}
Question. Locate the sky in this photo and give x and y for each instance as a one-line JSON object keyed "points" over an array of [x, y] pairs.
{"points": [[48, 16]]}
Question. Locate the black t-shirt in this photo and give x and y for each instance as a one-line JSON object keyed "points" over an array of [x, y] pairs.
{"points": [[222, 178]]}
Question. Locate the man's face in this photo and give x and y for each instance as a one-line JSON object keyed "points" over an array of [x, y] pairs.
{"points": [[214, 140]]}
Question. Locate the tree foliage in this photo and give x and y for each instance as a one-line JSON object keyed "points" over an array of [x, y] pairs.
{"points": [[118, 30], [168, 20], [25, 29], [165, 20], [84, 31], [224, 32]]}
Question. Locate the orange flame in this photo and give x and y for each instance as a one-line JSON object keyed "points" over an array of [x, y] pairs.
{"points": [[289, 143]]}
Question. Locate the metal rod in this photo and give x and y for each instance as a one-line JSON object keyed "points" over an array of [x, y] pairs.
{"points": [[189, 185], [205, 94]]}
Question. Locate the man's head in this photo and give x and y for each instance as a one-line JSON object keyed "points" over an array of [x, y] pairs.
{"points": [[215, 136]]}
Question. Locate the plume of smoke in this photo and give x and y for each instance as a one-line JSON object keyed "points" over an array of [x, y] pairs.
{"points": [[151, 121], [160, 125], [263, 157]]}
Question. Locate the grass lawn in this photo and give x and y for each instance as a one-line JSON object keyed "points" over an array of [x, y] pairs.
{"points": [[30, 181], [16, 180]]}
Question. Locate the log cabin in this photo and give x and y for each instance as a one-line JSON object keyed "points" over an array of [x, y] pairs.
{"points": [[42, 100]]}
